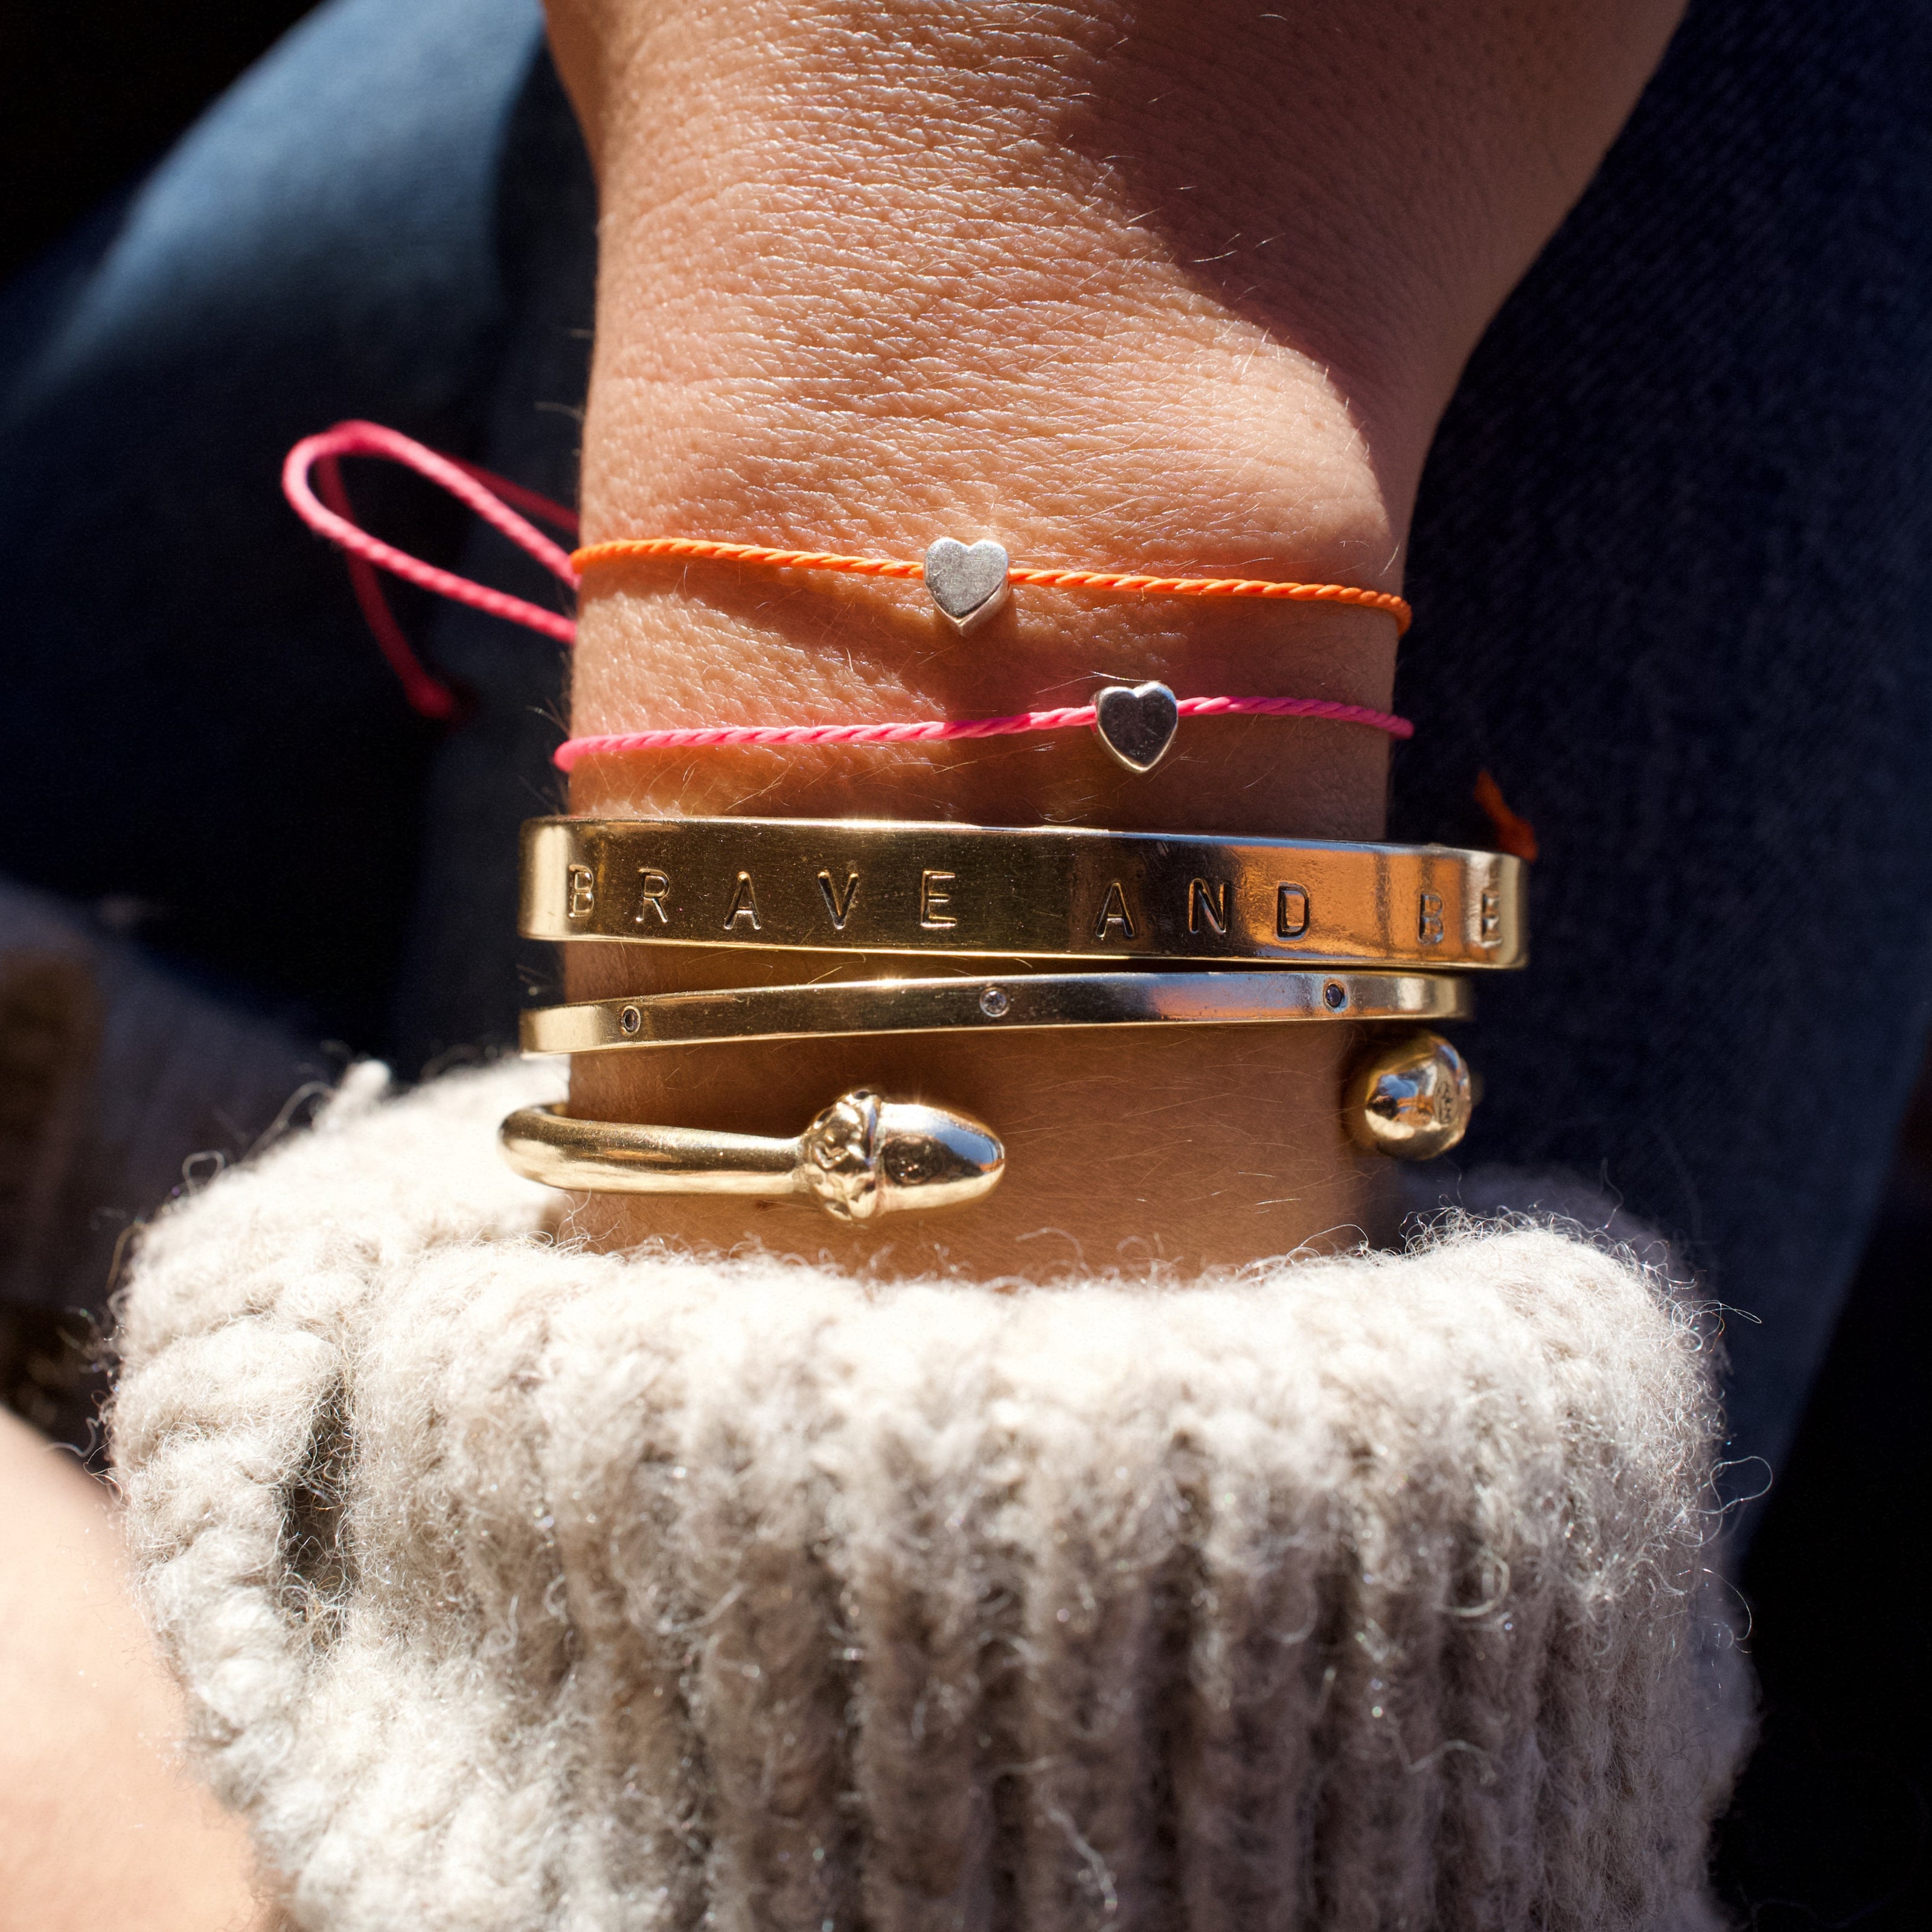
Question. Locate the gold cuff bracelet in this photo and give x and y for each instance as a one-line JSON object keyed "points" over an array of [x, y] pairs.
{"points": [[1046, 892], [864, 1156]]}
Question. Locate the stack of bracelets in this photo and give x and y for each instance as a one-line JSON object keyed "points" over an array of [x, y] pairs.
{"points": [[1154, 929], [1192, 930]]}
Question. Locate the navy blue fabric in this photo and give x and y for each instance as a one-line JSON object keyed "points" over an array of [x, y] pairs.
{"points": [[194, 717], [1670, 564]]}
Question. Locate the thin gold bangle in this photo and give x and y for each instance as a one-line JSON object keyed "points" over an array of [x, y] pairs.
{"points": [[1022, 1002]]}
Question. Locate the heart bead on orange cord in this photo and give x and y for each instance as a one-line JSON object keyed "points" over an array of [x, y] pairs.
{"points": [[969, 583]]}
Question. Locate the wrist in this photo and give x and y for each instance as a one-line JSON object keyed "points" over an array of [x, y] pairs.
{"points": [[1065, 278], [963, 349]]}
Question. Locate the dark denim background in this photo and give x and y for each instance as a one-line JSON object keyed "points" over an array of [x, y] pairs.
{"points": [[1670, 565]]}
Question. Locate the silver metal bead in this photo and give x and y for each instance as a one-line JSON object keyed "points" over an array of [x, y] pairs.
{"points": [[1137, 723], [968, 582]]}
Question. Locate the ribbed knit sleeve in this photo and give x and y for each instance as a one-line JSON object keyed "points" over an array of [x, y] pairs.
{"points": [[518, 1587]]}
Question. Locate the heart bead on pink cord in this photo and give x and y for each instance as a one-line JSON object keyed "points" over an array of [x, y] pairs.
{"points": [[935, 731]]}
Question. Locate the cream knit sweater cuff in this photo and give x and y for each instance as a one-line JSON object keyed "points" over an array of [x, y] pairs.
{"points": [[515, 1586]]}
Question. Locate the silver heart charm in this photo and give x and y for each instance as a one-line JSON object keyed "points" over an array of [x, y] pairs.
{"points": [[968, 584], [1137, 723]]}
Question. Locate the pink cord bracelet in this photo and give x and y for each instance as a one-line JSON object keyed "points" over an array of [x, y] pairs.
{"points": [[934, 730], [490, 497], [1136, 724]]}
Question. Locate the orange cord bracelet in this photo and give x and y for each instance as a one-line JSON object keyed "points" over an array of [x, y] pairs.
{"points": [[1128, 583]]}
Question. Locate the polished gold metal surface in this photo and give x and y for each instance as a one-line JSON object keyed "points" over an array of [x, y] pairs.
{"points": [[1270, 996], [876, 886], [862, 1157], [1411, 1099]]}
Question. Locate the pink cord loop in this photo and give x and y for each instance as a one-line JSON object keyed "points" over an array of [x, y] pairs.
{"points": [[490, 497], [939, 730]]}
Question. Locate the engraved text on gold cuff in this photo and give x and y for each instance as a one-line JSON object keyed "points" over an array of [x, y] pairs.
{"points": [[1050, 891]]}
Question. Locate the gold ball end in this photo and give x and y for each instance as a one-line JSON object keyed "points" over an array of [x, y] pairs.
{"points": [[1410, 1099]]}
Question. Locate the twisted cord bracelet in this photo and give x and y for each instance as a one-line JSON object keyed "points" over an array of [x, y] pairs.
{"points": [[326, 509], [490, 497], [633, 549], [937, 730]]}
